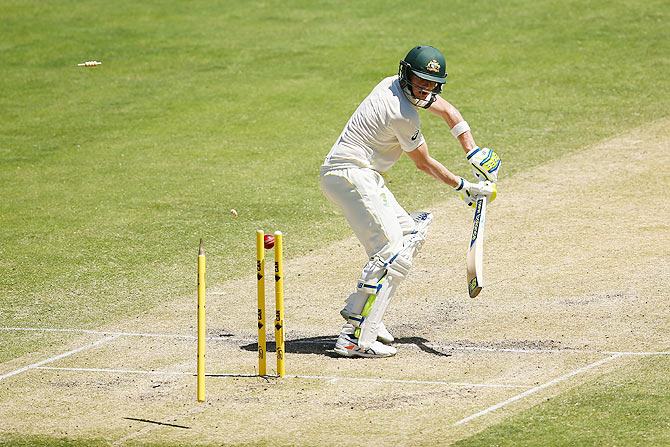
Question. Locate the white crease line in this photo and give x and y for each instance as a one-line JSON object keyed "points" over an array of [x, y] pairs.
{"points": [[124, 334], [142, 371], [417, 382], [117, 371], [58, 357], [326, 378], [537, 388], [429, 345], [544, 351]]}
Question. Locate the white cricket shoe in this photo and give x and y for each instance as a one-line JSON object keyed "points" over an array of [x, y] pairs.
{"points": [[347, 345], [383, 335]]}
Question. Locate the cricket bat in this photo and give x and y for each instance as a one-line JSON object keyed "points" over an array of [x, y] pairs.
{"points": [[475, 258]]}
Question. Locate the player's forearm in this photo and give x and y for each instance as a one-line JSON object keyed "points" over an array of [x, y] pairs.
{"points": [[467, 141], [437, 170], [452, 117]]}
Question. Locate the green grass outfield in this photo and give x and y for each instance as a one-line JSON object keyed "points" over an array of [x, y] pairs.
{"points": [[625, 408], [110, 175]]}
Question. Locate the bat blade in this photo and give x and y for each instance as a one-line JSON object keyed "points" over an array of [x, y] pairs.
{"points": [[475, 257]]}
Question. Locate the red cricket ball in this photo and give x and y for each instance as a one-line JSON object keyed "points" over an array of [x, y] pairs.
{"points": [[268, 241]]}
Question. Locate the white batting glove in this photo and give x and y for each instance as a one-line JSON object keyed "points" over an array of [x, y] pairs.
{"points": [[469, 192], [485, 164]]}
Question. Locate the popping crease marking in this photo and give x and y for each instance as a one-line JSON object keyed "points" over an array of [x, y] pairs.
{"points": [[125, 334], [117, 371], [58, 357], [430, 345], [329, 379]]}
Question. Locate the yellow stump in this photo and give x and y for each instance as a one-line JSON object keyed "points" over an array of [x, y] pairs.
{"points": [[279, 297], [260, 277], [201, 323]]}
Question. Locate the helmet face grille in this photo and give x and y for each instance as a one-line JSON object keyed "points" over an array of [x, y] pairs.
{"points": [[406, 84]]}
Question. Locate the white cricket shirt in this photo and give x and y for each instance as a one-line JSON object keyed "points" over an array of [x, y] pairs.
{"points": [[381, 128]]}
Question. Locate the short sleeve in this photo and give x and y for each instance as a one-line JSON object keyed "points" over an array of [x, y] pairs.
{"points": [[408, 133]]}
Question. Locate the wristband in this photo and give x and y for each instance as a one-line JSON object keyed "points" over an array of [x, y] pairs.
{"points": [[460, 185], [460, 129]]}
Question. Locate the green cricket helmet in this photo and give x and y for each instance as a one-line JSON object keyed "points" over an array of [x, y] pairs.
{"points": [[427, 63]]}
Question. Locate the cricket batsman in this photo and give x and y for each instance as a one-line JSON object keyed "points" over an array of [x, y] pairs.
{"points": [[385, 125]]}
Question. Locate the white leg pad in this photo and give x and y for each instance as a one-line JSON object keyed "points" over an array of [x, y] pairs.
{"points": [[352, 313], [422, 220], [379, 281], [395, 273], [396, 269], [355, 303], [372, 273]]}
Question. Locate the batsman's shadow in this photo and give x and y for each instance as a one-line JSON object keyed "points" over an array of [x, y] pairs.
{"points": [[312, 345], [324, 345], [422, 344]]}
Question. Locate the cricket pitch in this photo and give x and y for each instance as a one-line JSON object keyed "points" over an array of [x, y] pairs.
{"points": [[576, 266]]}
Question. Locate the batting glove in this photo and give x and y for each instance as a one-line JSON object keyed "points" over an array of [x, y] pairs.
{"points": [[485, 164], [469, 192]]}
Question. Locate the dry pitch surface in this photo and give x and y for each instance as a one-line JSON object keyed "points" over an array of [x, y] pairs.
{"points": [[577, 260]]}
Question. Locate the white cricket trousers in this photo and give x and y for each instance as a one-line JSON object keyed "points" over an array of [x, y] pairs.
{"points": [[370, 207]]}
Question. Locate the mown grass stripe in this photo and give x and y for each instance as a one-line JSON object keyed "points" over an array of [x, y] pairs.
{"points": [[536, 389]]}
